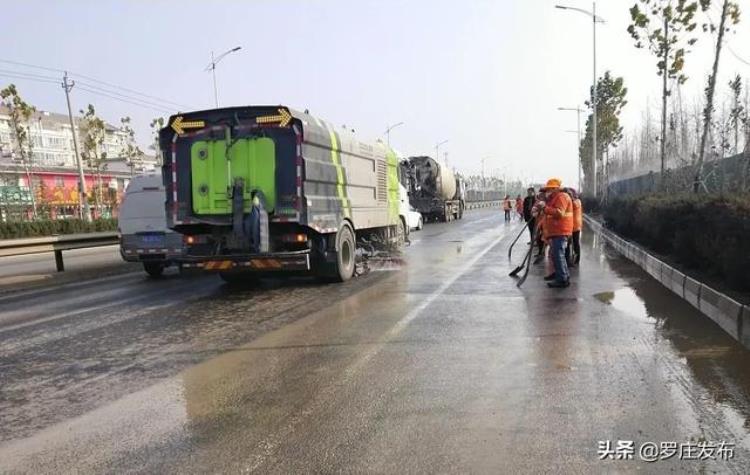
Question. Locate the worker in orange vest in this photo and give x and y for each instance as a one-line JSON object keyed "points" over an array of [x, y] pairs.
{"points": [[574, 259], [558, 224]]}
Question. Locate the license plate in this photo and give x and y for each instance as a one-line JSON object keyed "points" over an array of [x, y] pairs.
{"points": [[152, 240]]}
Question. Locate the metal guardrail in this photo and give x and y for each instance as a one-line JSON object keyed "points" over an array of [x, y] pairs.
{"points": [[481, 204], [66, 242], [56, 244]]}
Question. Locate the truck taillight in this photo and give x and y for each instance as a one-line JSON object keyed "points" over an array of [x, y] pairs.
{"points": [[190, 240], [298, 238]]}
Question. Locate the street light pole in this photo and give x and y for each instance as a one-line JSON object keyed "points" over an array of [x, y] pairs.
{"points": [[388, 132], [437, 149], [484, 184], [212, 67], [594, 20], [578, 111], [595, 105], [213, 73]]}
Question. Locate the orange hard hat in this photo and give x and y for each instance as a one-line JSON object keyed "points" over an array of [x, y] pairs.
{"points": [[552, 183]]}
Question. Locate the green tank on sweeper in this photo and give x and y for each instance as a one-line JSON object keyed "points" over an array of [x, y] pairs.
{"points": [[267, 189]]}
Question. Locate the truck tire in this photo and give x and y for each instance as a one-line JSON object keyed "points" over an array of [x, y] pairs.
{"points": [[345, 254], [153, 269], [342, 268], [401, 233]]}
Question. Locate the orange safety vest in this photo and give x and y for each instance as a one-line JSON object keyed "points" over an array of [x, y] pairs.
{"points": [[577, 215], [559, 215], [540, 228]]}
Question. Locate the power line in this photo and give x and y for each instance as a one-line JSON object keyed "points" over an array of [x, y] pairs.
{"points": [[111, 85], [17, 63], [145, 106], [124, 96], [16, 76], [132, 91], [36, 76], [737, 57]]}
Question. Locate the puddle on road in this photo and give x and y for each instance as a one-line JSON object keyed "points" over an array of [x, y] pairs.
{"points": [[707, 352], [625, 300]]}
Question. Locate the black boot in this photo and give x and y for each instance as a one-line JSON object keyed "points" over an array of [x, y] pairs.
{"points": [[558, 285], [550, 277]]}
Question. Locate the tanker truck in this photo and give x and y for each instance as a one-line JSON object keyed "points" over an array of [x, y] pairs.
{"points": [[433, 189], [267, 189]]}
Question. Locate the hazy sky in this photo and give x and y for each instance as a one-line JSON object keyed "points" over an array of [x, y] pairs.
{"points": [[485, 75]]}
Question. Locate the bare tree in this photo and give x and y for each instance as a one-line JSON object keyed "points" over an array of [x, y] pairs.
{"points": [[730, 11], [665, 27]]}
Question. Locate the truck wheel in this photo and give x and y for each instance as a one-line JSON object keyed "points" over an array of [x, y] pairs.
{"points": [[343, 267], [153, 269], [345, 254], [401, 233]]}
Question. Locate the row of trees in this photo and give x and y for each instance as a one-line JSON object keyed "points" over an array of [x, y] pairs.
{"points": [[669, 30], [92, 132], [728, 134]]}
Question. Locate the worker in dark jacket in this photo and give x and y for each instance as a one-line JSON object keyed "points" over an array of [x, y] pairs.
{"points": [[528, 203]]}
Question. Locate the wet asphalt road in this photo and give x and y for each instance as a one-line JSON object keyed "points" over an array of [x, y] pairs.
{"points": [[440, 366]]}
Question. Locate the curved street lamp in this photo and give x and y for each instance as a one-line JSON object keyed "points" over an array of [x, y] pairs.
{"points": [[594, 20], [388, 132], [437, 149], [212, 67]]}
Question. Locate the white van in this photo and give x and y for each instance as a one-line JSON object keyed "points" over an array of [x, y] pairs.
{"points": [[142, 224], [412, 217]]}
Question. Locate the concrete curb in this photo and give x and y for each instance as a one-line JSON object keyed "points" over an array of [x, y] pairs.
{"points": [[730, 315]]}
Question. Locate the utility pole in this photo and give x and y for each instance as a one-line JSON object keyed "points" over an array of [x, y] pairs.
{"points": [[83, 201]]}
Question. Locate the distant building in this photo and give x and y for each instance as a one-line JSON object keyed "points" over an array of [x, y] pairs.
{"points": [[52, 170]]}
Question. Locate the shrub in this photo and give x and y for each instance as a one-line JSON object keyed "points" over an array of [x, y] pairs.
{"points": [[25, 229], [706, 232]]}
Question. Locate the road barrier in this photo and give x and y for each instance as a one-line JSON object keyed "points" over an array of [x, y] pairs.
{"points": [[732, 316], [56, 244]]}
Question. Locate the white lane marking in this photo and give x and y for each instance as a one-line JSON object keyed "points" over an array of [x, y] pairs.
{"points": [[11, 294], [268, 446], [400, 325], [76, 328], [113, 303]]}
